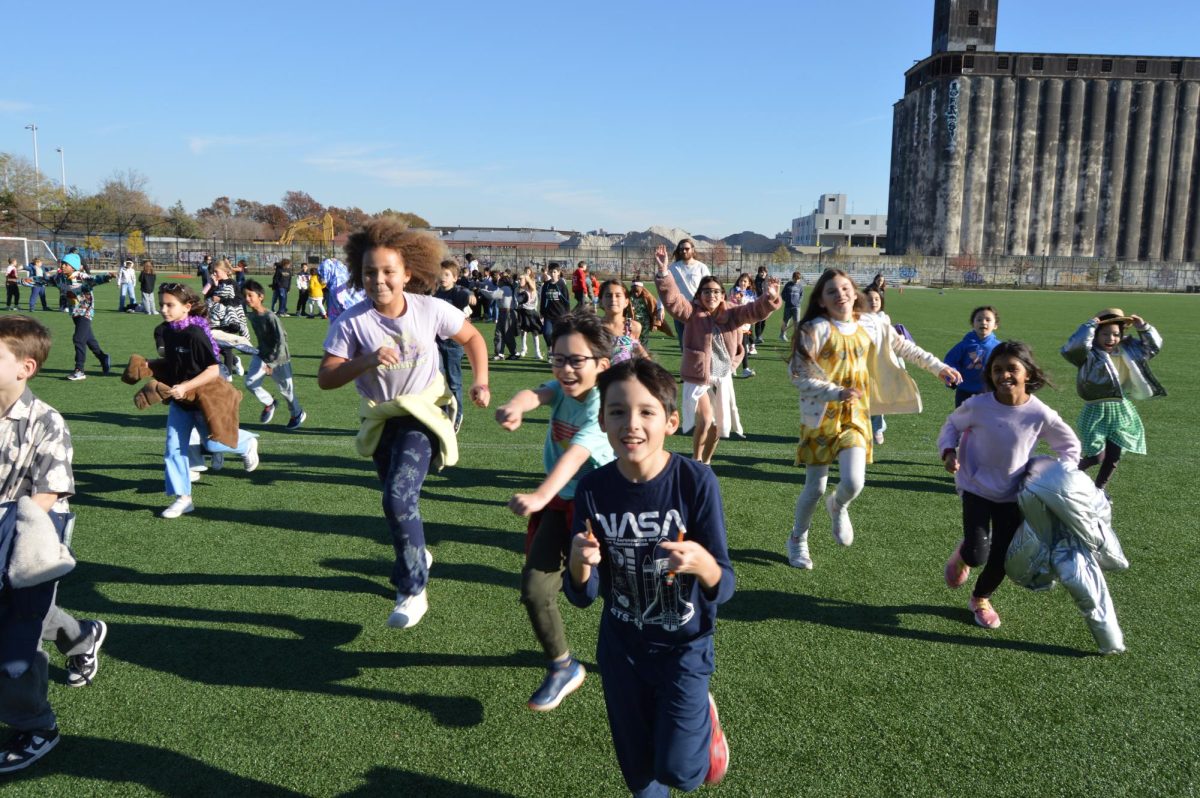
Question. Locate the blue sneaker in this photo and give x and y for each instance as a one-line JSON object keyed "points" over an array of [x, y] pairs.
{"points": [[561, 680]]}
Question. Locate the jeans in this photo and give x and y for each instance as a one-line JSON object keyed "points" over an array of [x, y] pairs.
{"points": [[279, 298], [180, 423], [452, 354], [402, 461], [128, 298], [35, 293]]}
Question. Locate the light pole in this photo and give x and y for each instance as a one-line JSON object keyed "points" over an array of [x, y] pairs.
{"points": [[37, 173], [62, 164]]}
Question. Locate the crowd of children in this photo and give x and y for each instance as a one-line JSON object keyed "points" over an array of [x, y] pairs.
{"points": [[617, 516]]}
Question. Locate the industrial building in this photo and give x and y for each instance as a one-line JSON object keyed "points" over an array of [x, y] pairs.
{"points": [[1007, 153], [833, 225]]}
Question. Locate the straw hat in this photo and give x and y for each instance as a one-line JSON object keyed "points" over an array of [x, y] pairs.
{"points": [[1113, 316]]}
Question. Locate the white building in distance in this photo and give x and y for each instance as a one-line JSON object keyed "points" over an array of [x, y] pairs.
{"points": [[832, 225]]}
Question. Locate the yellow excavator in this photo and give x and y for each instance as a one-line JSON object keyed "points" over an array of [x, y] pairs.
{"points": [[324, 222]]}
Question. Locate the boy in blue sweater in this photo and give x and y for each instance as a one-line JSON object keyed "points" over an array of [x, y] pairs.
{"points": [[971, 353], [651, 541]]}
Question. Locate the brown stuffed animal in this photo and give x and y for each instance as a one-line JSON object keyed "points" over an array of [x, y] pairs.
{"points": [[218, 401]]}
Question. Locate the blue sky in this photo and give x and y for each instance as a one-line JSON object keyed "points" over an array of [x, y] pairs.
{"points": [[712, 116]]}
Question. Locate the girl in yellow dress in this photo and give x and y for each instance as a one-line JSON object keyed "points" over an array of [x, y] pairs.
{"points": [[846, 368]]}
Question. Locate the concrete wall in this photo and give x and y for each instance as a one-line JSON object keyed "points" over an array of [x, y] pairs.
{"points": [[1005, 165]]}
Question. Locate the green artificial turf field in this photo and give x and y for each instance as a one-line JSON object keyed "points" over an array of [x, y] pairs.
{"points": [[247, 651]]}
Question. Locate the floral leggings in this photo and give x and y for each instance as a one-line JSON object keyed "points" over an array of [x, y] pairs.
{"points": [[402, 461]]}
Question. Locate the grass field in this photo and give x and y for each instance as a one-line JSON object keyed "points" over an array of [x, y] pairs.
{"points": [[247, 652]]}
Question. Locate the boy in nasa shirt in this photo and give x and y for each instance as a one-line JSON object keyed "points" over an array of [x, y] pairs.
{"points": [[651, 540]]}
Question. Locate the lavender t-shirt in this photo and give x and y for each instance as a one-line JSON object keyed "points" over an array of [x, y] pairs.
{"points": [[362, 329]]}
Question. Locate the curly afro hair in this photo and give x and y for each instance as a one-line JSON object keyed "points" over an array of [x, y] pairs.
{"points": [[422, 253]]}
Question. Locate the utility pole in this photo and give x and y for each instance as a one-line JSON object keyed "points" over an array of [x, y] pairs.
{"points": [[62, 164], [37, 173]]}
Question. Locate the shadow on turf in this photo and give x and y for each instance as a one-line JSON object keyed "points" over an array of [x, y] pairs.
{"points": [[763, 605]]}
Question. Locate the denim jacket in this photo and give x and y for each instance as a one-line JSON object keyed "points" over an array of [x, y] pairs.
{"points": [[1098, 377]]}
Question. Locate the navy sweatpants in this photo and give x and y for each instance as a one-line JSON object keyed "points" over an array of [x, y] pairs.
{"points": [[657, 703], [402, 461]]}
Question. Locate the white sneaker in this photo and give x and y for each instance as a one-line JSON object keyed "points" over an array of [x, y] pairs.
{"points": [[843, 531], [797, 551], [879, 438], [409, 610], [428, 559], [238, 368], [181, 505], [250, 458], [218, 461], [194, 475]]}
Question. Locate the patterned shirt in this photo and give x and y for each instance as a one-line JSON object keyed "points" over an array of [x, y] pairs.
{"points": [[35, 452]]}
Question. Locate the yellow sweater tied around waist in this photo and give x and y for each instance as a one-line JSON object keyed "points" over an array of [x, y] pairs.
{"points": [[434, 407]]}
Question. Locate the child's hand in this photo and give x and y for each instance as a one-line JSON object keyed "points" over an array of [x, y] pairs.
{"points": [[950, 461], [386, 356], [773, 287], [850, 394], [177, 391], [481, 395], [950, 375], [1138, 321], [686, 556], [585, 549], [526, 503], [508, 416], [660, 257]]}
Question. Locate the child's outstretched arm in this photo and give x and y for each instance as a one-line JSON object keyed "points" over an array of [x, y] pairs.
{"points": [[476, 349], [510, 414], [566, 467], [918, 356]]}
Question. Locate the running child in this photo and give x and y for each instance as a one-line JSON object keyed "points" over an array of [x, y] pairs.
{"points": [[387, 346], [76, 288], [575, 445], [986, 443], [650, 539], [625, 330], [842, 362], [190, 360], [272, 359], [35, 463], [449, 350], [971, 353], [1113, 369], [712, 346], [316, 296]]}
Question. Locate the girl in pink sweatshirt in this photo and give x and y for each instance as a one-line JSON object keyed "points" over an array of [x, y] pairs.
{"points": [[986, 443]]}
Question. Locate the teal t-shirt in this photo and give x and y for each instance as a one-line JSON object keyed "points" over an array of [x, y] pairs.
{"points": [[575, 421]]}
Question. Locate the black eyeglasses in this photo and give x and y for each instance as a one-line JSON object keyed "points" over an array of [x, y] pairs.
{"points": [[169, 287], [576, 361]]}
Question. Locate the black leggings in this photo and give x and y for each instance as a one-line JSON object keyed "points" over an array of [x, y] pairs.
{"points": [[988, 529], [1108, 460]]}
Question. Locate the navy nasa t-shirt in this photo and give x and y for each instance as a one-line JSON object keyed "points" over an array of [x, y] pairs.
{"points": [[642, 604]]}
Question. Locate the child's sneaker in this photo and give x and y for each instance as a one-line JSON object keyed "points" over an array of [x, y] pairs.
{"points": [[985, 616], [76, 375], [879, 438], [181, 505], [82, 668], [295, 421], [747, 373], [562, 679], [218, 461], [250, 458], [956, 570], [238, 368], [267, 414], [25, 748], [843, 531], [409, 610], [797, 551], [718, 747]]}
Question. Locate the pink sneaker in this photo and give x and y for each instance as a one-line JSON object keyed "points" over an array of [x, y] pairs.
{"points": [[956, 570], [985, 616], [718, 747]]}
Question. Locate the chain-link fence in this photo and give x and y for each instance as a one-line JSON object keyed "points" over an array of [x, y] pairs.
{"points": [[968, 271]]}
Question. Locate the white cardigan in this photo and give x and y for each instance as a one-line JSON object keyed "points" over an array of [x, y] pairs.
{"points": [[892, 389]]}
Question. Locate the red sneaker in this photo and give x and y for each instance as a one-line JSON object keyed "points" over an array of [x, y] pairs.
{"points": [[956, 571], [718, 747]]}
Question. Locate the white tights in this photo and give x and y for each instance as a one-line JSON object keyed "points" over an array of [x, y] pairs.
{"points": [[852, 465], [537, 344]]}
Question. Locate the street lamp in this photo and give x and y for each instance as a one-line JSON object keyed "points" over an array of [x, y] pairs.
{"points": [[37, 174], [62, 164]]}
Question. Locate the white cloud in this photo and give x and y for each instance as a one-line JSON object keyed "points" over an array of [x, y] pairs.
{"points": [[202, 144], [13, 106]]}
